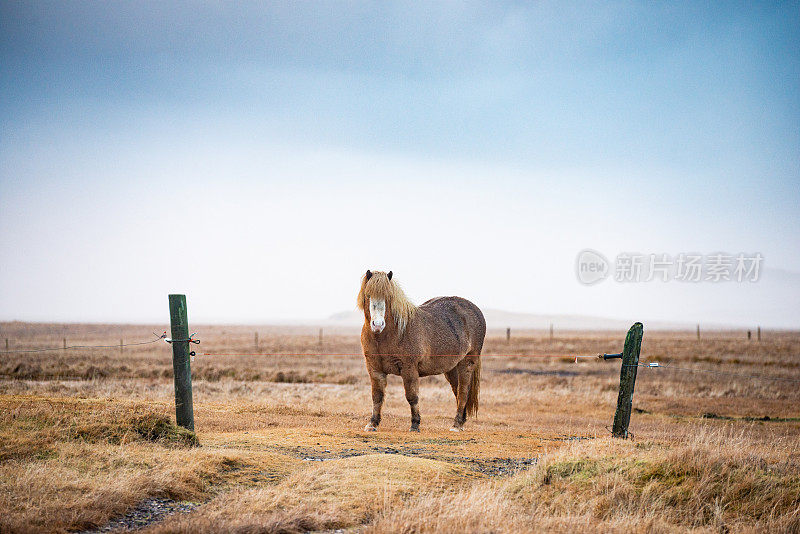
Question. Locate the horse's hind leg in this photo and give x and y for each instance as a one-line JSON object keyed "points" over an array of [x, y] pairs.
{"points": [[464, 370], [411, 385]]}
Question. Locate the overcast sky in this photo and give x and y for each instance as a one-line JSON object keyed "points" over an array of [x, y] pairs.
{"points": [[261, 156]]}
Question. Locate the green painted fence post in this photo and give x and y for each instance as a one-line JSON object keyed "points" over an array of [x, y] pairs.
{"points": [[181, 364], [627, 380]]}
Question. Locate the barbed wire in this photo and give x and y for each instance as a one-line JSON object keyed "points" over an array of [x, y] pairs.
{"points": [[70, 347]]}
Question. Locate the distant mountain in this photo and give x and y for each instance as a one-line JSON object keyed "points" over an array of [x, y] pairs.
{"points": [[351, 317]]}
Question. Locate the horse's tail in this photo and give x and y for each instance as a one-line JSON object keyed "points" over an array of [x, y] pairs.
{"points": [[474, 390]]}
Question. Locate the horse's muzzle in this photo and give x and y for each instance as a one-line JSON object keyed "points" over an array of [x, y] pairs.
{"points": [[377, 327]]}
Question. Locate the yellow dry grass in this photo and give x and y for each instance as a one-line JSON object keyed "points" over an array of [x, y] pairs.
{"points": [[613, 486], [335, 494], [85, 435]]}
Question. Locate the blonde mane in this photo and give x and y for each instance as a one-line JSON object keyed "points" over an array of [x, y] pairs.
{"points": [[380, 286]]}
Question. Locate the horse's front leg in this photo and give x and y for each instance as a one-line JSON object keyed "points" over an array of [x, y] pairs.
{"points": [[378, 387], [411, 385]]}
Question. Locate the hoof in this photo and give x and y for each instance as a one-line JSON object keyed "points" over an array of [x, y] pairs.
{"points": [[456, 429], [414, 429], [370, 428]]}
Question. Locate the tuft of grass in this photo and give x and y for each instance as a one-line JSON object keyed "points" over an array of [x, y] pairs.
{"points": [[148, 426], [30, 426], [576, 470], [159, 428]]}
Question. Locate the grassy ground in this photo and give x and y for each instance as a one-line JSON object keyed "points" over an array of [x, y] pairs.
{"points": [[86, 435]]}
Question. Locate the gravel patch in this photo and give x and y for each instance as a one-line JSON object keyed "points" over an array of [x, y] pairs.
{"points": [[496, 467], [146, 513]]}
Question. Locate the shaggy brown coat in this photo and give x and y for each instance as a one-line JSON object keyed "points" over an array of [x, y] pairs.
{"points": [[442, 336]]}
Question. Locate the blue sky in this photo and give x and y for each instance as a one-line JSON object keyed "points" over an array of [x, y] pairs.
{"points": [[260, 157]]}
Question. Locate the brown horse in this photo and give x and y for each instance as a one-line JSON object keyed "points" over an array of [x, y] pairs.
{"points": [[442, 336]]}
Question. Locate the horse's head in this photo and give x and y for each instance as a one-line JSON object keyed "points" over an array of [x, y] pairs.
{"points": [[375, 298], [384, 303]]}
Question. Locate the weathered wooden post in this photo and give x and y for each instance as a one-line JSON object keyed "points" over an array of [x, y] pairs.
{"points": [[758, 333], [551, 332], [120, 346], [64, 344], [748, 335], [698, 332], [627, 380], [508, 334], [181, 364], [6, 344]]}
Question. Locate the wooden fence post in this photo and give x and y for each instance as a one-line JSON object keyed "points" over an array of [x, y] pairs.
{"points": [[120, 346], [551, 332], [627, 380], [181, 364], [508, 334], [759, 333]]}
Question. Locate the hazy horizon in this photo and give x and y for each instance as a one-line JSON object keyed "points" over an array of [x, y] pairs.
{"points": [[260, 157]]}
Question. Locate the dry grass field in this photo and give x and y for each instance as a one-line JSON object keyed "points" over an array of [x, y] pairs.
{"points": [[87, 436]]}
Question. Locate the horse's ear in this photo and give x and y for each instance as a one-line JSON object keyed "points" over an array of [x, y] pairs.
{"points": [[369, 274], [389, 274]]}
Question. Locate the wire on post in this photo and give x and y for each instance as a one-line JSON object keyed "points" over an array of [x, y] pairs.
{"points": [[70, 347], [190, 339]]}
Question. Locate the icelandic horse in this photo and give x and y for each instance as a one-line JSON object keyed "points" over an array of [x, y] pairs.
{"points": [[442, 336]]}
